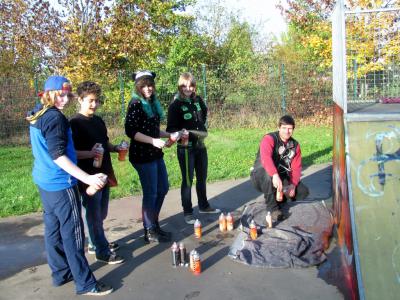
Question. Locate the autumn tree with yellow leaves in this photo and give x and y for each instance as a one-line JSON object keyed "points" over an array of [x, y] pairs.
{"points": [[367, 35]]}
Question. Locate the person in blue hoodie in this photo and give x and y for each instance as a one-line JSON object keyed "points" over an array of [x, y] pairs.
{"points": [[55, 173]]}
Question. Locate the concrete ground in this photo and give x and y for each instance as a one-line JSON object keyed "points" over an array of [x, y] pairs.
{"points": [[147, 272]]}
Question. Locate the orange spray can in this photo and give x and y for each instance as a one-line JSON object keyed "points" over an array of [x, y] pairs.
{"points": [[195, 262], [222, 222], [253, 230], [229, 222], [197, 229]]}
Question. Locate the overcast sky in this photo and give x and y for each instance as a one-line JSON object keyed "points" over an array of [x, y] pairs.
{"points": [[262, 13]]}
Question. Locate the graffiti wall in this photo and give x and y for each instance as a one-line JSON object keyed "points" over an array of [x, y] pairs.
{"points": [[374, 187], [345, 272]]}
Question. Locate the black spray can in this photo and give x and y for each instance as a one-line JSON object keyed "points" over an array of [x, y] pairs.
{"points": [[182, 251], [175, 255]]}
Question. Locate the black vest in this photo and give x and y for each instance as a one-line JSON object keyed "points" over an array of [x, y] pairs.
{"points": [[283, 154]]}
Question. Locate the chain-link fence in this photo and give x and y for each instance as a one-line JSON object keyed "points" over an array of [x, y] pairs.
{"points": [[234, 97], [373, 57]]}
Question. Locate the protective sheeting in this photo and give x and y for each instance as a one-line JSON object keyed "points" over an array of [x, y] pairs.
{"points": [[296, 242]]}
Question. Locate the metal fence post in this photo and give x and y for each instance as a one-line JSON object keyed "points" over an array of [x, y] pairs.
{"points": [[203, 68], [36, 86], [355, 80], [121, 93], [283, 89]]}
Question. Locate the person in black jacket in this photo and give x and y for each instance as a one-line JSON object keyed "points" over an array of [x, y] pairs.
{"points": [[188, 111], [142, 126], [89, 131]]}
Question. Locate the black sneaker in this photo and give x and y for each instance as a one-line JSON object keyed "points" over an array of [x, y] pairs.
{"points": [[100, 289], [113, 246], [152, 236], [91, 249], [111, 259], [210, 210], [189, 219]]}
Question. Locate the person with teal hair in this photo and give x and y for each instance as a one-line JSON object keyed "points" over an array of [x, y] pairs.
{"points": [[142, 126]]}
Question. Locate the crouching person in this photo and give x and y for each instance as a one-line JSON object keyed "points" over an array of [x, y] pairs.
{"points": [[277, 168]]}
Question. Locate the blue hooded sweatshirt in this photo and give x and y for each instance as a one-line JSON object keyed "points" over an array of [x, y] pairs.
{"points": [[51, 137]]}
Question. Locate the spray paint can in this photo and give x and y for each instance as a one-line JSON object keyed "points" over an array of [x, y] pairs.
{"points": [[191, 262], [279, 196], [195, 265], [229, 222], [268, 219], [182, 252], [175, 255], [98, 158], [91, 189], [197, 229], [222, 222], [173, 137], [184, 137], [253, 230]]}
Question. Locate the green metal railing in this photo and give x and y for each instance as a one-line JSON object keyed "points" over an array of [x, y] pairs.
{"points": [[271, 90]]}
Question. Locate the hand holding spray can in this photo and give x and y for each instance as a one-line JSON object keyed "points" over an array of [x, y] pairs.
{"points": [[173, 137], [184, 137], [279, 196], [91, 189]]}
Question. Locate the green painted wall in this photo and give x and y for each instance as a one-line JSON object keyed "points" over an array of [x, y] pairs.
{"points": [[373, 156]]}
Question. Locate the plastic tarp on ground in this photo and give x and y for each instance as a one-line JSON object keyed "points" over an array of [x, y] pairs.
{"points": [[296, 242]]}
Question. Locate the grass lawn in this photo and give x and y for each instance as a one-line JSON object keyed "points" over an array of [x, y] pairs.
{"points": [[230, 153]]}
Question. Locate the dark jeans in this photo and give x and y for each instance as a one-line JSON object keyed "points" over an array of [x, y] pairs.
{"points": [[154, 180], [193, 160], [64, 238], [96, 208], [263, 183]]}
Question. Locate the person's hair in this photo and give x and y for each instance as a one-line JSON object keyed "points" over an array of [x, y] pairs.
{"points": [[88, 88], [183, 80], [48, 98], [142, 82], [286, 120]]}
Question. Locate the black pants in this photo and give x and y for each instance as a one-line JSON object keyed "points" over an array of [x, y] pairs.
{"points": [[263, 183], [193, 160]]}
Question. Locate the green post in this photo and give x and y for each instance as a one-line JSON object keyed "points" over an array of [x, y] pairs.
{"points": [[283, 89], [354, 80], [36, 85], [121, 93], [203, 67]]}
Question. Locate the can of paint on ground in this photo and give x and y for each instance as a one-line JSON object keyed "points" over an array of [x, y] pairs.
{"points": [[229, 222], [182, 252], [175, 255], [197, 229], [253, 230]]}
